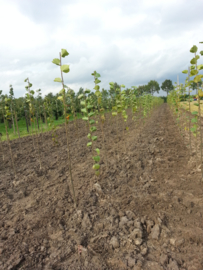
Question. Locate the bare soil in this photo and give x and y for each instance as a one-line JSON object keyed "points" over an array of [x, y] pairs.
{"points": [[145, 210]]}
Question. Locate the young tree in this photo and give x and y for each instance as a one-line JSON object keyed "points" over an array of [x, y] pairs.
{"points": [[167, 86], [12, 106]]}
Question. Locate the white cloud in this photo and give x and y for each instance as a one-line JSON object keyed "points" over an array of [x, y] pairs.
{"points": [[130, 42], [18, 32]]}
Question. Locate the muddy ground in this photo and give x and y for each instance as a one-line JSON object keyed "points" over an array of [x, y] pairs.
{"points": [[144, 212]]}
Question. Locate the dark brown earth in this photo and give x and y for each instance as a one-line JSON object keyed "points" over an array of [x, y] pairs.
{"points": [[145, 212]]}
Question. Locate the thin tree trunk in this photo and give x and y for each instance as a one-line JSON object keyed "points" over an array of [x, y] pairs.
{"points": [[18, 133], [27, 125], [1, 147], [68, 149], [12, 161]]}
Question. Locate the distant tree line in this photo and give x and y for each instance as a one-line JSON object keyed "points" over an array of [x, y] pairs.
{"points": [[21, 106]]}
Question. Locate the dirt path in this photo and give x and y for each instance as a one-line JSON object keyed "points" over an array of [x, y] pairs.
{"points": [[146, 212]]}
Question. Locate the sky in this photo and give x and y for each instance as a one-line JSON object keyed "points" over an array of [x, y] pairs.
{"points": [[126, 41]]}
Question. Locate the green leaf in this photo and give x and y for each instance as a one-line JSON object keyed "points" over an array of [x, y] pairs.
{"points": [[56, 61], [96, 87], [196, 104], [84, 110], [64, 52], [98, 94], [198, 78], [62, 91], [82, 103], [92, 122], [193, 72], [81, 96], [201, 52], [85, 118], [57, 80], [91, 114], [97, 81], [87, 91], [194, 120], [193, 129], [32, 92], [185, 71], [89, 144], [114, 113], [96, 166], [65, 68], [89, 106], [193, 49], [195, 112], [97, 75], [98, 151], [94, 138], [199, 67], [122, 85], [60, 98], [96, 158], [89, 136], [92, 129], [193, 61]]}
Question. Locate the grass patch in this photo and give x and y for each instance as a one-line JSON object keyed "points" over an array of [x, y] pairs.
{"points": [[23, 129], [185, 105]]}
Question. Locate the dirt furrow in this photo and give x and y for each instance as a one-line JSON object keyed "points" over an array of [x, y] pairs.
{"points": [[143, 212]]}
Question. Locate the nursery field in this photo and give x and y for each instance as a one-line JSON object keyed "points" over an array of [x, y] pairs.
{"points": [[23, 129], [144, 210]]}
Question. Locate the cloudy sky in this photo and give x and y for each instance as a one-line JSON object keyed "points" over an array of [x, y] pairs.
{"points": [[127, 41]]}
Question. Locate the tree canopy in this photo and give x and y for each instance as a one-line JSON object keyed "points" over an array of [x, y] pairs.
{"points": [[167, 86], [153, 87]]}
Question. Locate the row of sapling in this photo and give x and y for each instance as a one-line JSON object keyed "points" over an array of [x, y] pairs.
{"points": [[21, 107], [92, 108], [197, 79], [174, 99], [11, 103]]}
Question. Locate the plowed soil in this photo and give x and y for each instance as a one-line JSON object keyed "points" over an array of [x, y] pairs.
{"points": [[145, 210]]}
